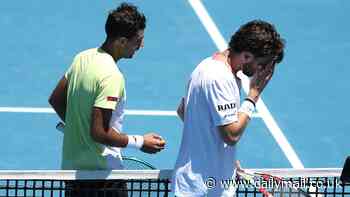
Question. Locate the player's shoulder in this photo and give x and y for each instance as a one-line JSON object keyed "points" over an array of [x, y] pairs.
{"points": [[212, 70], [111, 74], [94, 55], [100, 63], [86, 52]]}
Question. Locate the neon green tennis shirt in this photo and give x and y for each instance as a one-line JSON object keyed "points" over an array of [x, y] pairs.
{"points": [[94, 80]]}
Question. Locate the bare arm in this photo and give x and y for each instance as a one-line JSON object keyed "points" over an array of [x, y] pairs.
{"points": [[103, 134], [231, 133], [181, 109], [58, 98]]}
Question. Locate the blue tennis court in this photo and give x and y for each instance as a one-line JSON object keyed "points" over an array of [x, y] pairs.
{"points": [[306, 98]]}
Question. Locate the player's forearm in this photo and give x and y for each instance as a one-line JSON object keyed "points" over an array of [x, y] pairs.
{"points": [[102, 133], [61, 112], [109, 137], [59, 106], [232, 132], [58, 98]]}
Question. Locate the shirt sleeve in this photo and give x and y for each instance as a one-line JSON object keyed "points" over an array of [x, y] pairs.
{"points": [[109, 91], [67, 73], [69, 70], [223, 102]]}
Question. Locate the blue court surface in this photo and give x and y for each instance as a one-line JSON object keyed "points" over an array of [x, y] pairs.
{"points": [[306, 99]]}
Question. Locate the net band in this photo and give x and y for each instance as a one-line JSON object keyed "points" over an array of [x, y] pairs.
{"points": [[157, 183]]}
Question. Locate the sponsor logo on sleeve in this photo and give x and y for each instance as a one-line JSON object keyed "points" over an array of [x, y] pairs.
{"points": [[111, 98], [225, 107]]}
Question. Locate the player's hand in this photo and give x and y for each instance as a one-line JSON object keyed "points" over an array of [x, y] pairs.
{"points": [[181, 109], [152, 143], [260, 79], [238, 166]]}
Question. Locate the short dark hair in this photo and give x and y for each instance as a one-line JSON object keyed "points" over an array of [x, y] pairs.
{"points": [[260, 38], [124, 21]]}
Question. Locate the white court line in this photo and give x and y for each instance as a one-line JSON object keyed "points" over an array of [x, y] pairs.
{"points": [[131, 112], [264, 113], [51, 111]]}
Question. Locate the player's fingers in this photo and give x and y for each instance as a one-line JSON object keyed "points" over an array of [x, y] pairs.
{"points": [[158, 137], [260, 67], [154, 150], [157, 148], [155, 135], [268, 71], [238, 166], [162, 142], [268, 77], [272, 67]]}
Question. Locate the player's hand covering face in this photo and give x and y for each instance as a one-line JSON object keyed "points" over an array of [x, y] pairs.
{"points": [[262, 76]]}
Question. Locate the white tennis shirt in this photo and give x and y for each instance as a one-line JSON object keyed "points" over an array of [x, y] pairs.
{"points": [[212, 99]]}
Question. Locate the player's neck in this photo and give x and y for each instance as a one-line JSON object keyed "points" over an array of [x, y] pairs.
{"points": [[109, 48], [230, 62]]}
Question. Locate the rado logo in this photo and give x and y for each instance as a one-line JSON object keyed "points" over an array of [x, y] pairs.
{"points": [[226, 106]]}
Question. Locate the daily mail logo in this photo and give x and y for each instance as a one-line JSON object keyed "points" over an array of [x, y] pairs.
{"points": [[225, 107]]}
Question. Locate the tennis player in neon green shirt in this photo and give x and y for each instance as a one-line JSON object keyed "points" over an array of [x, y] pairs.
{"points": [[93, 80], [89, 93], [90, 98]]}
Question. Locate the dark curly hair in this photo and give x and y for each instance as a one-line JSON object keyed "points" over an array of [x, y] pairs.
{"points": [[125, 21], [260, 38]]}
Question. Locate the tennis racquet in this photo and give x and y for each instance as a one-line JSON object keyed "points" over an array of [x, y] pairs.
{"points": [[129, 163], [269, 185], [134, 163]]}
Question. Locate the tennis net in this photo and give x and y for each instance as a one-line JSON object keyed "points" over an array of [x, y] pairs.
{"points": [[313, 182], [85, 183]]}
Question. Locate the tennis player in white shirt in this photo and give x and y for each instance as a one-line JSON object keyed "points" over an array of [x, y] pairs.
{"points": [[214, 116]]}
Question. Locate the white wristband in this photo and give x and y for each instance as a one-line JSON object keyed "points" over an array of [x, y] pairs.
{"points": [[135, 141], [248, 108]]}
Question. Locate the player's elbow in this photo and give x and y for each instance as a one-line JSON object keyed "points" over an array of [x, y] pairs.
{"points": [[54, 103], [181, 110], [52, 100], [180, 114], [230, 134], [96, 135], [231, 140]]}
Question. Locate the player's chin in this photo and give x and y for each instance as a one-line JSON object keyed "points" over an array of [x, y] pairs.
{"points": [[131, 55]]}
